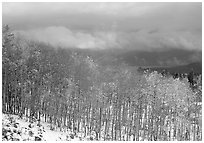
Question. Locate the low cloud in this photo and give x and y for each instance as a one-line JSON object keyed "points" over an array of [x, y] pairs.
{"points": [[64, 37], [143, 26], [138, 40], [165, 39]]}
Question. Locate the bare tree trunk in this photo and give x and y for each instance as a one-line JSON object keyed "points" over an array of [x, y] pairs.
{"points": [[112, 130], [100, 120], [4, 91]]}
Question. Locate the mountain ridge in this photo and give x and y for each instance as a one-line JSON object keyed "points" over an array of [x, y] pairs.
{"points": [[196, 67]]}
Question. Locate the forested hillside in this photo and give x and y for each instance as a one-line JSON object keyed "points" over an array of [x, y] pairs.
{"points": [[71, 91]]}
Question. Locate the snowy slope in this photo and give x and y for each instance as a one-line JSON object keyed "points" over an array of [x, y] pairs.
{"points": [[16, 129]]}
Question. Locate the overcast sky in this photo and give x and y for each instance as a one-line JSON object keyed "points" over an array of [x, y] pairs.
{"points": [[109, 25]]}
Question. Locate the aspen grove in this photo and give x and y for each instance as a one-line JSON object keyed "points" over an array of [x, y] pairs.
{"points": [[71, 91]]}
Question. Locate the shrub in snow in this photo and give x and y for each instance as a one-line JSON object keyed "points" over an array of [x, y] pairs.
{"points": [[11, 131]]}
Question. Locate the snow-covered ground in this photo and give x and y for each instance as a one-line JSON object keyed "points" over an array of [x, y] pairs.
{"points": [[16, 129]]}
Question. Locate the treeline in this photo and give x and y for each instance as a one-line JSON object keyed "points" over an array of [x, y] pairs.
{"points": [[73, 92]]}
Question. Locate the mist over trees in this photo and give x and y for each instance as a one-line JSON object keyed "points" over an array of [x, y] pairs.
{"points": [[71, 91]]}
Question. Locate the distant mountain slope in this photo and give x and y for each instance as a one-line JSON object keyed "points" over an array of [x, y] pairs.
{"points": [[157, 57], [175, 60], [167, 57], [196, 67]]}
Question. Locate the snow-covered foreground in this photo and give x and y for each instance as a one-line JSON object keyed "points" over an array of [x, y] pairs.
{"points": [[16, 129]]}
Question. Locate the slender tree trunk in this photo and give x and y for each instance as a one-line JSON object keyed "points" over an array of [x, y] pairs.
{"points": [[112, 130], [119, 120], [100, 120], [4, 91]]}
